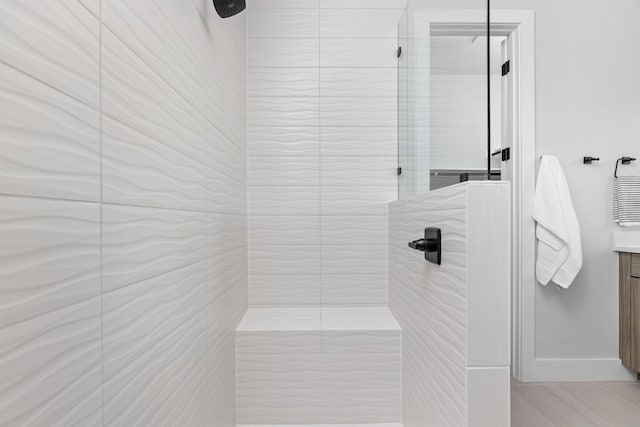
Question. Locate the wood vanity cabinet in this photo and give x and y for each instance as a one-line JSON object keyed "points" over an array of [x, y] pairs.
{"points": [[630, 310]]}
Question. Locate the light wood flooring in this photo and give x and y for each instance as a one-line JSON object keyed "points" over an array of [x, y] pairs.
{"points": [[575, 404]]}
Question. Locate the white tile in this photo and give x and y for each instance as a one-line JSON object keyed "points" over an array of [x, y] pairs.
{"points": [[278, 341], [279, 388], [284, 230], [138, 317], [365, 171], [362, 388], [354, 52], [379, 112], [55, 43], [358, 319], [357, 4], [283, 141], [489, 331], [274, 171], [363, 231], [354, 289], [226, 171], [50, 142], [49, 256], [359, 141], [284, 200], [139, 243], [283, 112], [135, 95], [348, 259], [54, 359], [359, 82], [283, 22], [285, 82], [357, 200], [296, 259], [281, 319], [284, 290], [488, 396], [307, 4], [362, 341], [140, 171], [166, 38], [283, 52], [360, 22], [170, 370]]}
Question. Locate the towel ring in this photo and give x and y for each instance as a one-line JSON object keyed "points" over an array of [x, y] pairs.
{"points": [[625, 161]]}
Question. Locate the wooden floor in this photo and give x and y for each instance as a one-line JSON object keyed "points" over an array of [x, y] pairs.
{"points": [[575, 404]]}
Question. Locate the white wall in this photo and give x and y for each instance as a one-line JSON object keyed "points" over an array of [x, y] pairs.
{"points": [[455, 316], [122, 212], [322, 137]]}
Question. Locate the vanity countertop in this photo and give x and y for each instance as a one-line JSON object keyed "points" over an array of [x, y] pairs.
{"points": [[626, 241]]}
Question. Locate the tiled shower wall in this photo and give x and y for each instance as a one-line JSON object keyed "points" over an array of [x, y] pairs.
{"points": [[322, 145], [122, 212]]}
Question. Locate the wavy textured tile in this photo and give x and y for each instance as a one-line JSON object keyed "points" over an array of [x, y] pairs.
{"points": [[268, 4], [354, 289], [359, 82], [349, 171], [137, 317], [167, 38], [50, 366], [50, 141], [283, 52], [56, 43], [134, 94], [49, 256], [379, 112], [278, 112], [284, 290], [312, 365], [279, 260], [283, 141], [359, 141], [139, 243], [434, 305], [158, 386], [360, 22], [280, 201], [283, 22], [358, 52], [357, 200], [138, 170], [289, 82], [350, 259], [283, 230], [274, 171]]}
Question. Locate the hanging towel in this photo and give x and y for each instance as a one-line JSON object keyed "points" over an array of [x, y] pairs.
{"points": [[557, 228], [626, 200]]}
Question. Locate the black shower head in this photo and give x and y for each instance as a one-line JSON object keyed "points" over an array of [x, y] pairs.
{"points": [[227, 8]]}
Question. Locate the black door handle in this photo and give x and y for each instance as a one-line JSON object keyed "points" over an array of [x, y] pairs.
{"points": [[431, 245]]}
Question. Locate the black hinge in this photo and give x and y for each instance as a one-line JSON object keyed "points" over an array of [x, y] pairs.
{"points": [[506, 67], [399, 170], [399, 51], [506, 154]]}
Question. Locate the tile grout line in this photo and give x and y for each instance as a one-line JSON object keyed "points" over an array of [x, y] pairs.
{"points": [[101, 213]]}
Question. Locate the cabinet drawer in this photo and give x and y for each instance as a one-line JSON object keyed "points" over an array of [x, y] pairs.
{"points": [[635, 265]]}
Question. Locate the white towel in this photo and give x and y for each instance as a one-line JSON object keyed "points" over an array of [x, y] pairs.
{"points": [[557, 228], [626, 200]]}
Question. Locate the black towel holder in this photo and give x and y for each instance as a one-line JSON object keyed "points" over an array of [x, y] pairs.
{"points": [[625, 161]]}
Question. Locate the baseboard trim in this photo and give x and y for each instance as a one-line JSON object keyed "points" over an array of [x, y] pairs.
{"points": [[557, 370]]}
